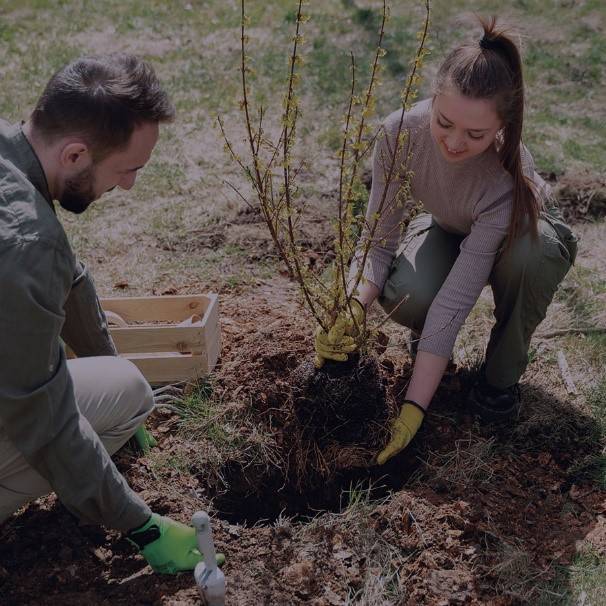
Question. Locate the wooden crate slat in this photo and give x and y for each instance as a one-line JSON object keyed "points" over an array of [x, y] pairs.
{"points": [[213, 346], [158, 309], [140, 339], [170, 368], [211, 317]]}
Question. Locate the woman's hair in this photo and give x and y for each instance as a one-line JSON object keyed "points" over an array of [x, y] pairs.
{"points": [[492, 69], [101, 99]]}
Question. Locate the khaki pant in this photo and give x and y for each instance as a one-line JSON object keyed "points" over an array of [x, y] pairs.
{"points": [[115, 398], [523, 280]]}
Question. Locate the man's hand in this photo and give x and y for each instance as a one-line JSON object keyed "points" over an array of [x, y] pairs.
{"points": [[403, 430], [168, 546], [339, 341], [144, 439]]}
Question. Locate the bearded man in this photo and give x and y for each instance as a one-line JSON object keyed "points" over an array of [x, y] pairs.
{"points": [[94, 127]]}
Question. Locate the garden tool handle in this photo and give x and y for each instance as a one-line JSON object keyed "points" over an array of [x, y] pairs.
{"points": [[209, 578], [201, 523], [191, 321], [116, 319]]}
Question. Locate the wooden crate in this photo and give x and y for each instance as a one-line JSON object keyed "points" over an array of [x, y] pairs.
{"points": [[153, 337]]}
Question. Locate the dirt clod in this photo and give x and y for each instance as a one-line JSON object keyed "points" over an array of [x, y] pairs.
{"points": [[340, 401]]}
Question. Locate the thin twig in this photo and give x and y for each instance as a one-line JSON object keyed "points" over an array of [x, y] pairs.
{"points": [[390, 173], [566, 375], [584, 330]]}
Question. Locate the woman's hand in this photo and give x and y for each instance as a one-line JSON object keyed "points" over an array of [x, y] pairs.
{"points": [[340, 340], [426, 376], [403, 430]]}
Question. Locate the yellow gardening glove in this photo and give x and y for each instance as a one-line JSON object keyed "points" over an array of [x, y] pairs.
{"points": [[403, 430], [339, 341]]}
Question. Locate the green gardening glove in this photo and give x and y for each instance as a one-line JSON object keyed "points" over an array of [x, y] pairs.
{"points": [[144, 439], [339, 340], [168, 546], [403, 430]]}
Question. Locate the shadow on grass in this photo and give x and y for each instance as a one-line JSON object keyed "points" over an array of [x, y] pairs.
{"points": [[534, 489]]}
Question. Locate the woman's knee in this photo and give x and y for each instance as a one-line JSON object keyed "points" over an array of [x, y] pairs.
{"points": [[540, 262], [521, 258], [406, 306]]}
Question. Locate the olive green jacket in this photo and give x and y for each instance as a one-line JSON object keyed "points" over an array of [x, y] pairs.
{"points": [[46, 294]]}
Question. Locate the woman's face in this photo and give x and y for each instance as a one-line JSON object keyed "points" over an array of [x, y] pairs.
{"points": [[463, 127]]}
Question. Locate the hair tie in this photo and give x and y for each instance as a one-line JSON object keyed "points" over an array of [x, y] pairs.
{"points": [[488, 43]]}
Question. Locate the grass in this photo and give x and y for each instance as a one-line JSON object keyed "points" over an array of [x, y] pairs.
{"points": [[592, 469], [469, 463], [201, 413], [163, 464], [513, 575], [196, 54], [380, 584], [583, 295], [583, 582]]}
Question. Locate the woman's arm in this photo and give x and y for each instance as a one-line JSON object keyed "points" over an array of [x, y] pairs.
{"points": [[428, 369], [367, 293], [426, 377]]}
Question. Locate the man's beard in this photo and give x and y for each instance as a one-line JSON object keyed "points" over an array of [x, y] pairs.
{"points": [[78, 192]]}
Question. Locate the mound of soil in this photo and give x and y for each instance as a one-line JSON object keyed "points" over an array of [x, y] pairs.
{"points": [[580, 197]]}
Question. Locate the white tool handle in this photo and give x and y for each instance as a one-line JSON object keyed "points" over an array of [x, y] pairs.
{"points": [[208, 576], [115, 319], [201, 523]]}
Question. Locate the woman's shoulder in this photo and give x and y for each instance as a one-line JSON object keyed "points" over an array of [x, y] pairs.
{"points": [[414, 119]]}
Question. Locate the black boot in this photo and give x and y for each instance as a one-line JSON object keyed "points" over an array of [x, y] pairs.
{"points": [[493, 404]]}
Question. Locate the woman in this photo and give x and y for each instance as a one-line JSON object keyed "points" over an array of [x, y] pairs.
{"points": [[488, 222]]}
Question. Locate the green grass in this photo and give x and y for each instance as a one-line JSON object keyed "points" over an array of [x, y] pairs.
{"points": [[581, 294], [203, 418], [583, 582], [163, 464], [198, 61]]}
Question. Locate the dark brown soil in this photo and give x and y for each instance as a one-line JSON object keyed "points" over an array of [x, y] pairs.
{"points": [[456, 530], [342, 402]]}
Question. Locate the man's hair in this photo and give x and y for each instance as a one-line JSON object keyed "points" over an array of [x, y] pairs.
{"points": [[102, 99]]}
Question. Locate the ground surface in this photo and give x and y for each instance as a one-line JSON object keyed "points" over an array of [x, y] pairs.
{"points": [[470, 513]]}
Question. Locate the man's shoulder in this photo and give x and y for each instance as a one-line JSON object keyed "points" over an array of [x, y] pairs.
{"points": [[25, 216]]}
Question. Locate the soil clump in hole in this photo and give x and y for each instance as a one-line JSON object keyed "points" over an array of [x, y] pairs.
{"points": [[328, 425], [309, 435], [342, 401]]}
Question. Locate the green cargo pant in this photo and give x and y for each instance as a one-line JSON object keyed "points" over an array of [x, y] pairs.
{"points": [[524, 280]]}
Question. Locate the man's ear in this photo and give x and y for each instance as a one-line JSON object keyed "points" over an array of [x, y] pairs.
{"points": [[75, 156]]}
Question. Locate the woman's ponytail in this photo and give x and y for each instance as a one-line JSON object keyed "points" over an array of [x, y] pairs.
{"points": [[492, 69]]}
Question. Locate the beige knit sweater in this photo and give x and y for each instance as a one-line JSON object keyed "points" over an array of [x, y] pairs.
{"points": [[471, 198]]}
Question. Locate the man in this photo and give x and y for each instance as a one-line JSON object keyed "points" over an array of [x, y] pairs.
{"points": [[93, 128]]}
